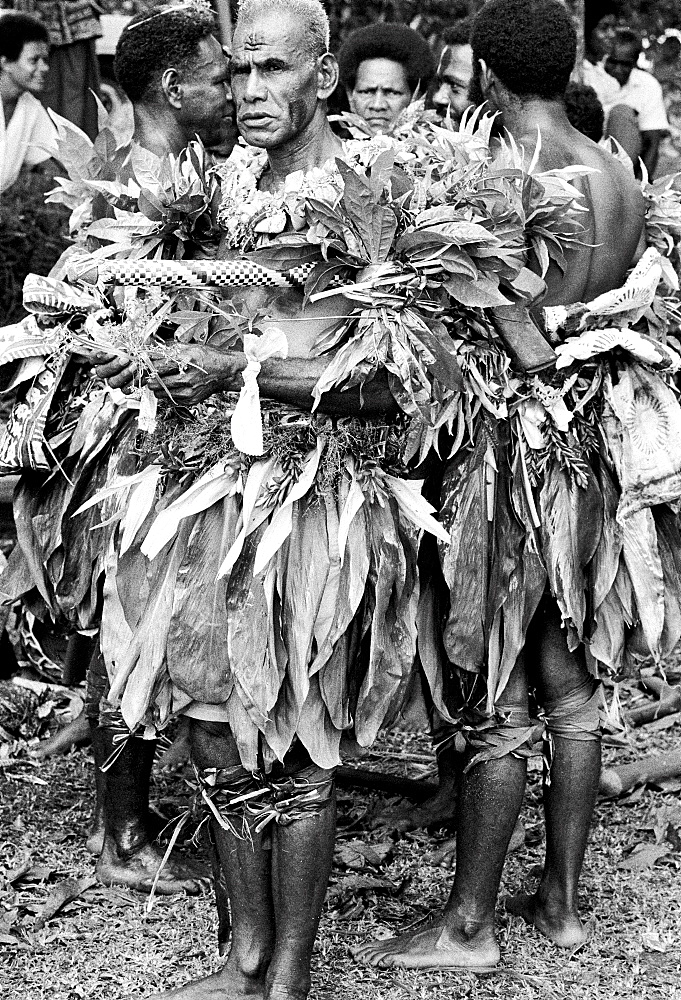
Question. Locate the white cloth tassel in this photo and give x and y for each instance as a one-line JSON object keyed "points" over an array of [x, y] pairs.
{"points": [[246, 425]]}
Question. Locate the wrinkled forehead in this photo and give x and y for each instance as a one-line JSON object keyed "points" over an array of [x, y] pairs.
{"points": [[276, 35]]}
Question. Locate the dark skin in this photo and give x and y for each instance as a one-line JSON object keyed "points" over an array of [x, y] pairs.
{"points": [[276, 896], [278, 108], [185, 102], [491, 793]]}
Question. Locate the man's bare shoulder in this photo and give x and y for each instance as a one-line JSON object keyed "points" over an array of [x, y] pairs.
{"points": [[566, 147]]}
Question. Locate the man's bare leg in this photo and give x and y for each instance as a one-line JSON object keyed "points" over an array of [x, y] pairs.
{"points": [[128, 857], [246, 865], [95, 839], [569, 798], [463, 936], [301, 865]]}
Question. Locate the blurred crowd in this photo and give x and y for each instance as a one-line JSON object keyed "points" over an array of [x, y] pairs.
{"points": [[48, 59]]}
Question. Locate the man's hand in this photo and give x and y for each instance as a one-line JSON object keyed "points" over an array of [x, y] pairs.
{"points": [[116, 369], [207, 371]]}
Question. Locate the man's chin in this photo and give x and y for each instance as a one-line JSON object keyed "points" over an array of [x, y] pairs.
{"points": [[258, 132]]}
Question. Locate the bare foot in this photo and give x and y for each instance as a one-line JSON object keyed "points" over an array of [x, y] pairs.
{"points": [[138, 871], [561, 926], [432, 947], [222, 985], [155, 824], [445, 855]]}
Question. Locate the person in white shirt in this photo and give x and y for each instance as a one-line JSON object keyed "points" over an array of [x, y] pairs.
{"points": [[27, 134], [639, 91]]}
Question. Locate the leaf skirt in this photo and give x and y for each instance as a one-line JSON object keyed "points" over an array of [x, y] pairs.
{"points": [[283, 590], [590, 516], [57, 564]]}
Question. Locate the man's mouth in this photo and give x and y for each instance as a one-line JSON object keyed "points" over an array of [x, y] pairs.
{"points": [[255, 119]]}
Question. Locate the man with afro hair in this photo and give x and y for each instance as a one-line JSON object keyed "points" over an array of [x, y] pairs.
{"points": [[382, 68], [524, 52]]}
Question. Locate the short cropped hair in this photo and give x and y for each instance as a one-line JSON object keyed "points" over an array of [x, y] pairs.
{"points": [[155, 41], [310, 12], [458, 33], [387, 41], [531, 45], [630, 38], [16, 30], [584, 110]]}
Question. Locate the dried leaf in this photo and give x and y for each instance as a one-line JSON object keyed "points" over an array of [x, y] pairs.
{"points": [[643, 856], [61, 895]]}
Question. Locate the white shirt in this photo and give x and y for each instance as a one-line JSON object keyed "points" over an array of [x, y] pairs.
{"points": [[642, 92], [29, 138]]}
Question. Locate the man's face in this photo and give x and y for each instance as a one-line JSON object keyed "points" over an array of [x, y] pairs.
{"points": [[453, 80], [380, 94], [207, 106], [621, 61], [29, 71], [274, 80]]}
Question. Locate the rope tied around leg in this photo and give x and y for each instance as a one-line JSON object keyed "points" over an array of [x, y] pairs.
{"points": [[576, 715], [253, 800]]}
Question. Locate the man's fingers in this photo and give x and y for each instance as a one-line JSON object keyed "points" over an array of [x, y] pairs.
{"points": [[114, 368]]}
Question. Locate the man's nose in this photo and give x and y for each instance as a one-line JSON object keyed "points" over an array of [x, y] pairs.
{"points": [[378, 99], [255, 89], [442, 96]]}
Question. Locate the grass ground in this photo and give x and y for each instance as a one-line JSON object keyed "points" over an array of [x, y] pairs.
{"points": [[104, 946]]}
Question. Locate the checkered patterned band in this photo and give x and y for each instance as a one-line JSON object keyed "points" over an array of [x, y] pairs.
{"points": [[185, 273]]}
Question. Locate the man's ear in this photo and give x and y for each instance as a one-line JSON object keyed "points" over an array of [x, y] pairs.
{"points": [[171, 85], [487, 77], [327, 76], [351, 100]]}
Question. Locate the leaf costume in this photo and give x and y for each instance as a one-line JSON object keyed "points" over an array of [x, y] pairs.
{"points": [[68, 435], [281, 587]]}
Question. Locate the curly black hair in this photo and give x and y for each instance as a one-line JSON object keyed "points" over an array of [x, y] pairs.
{"points": [[387, 40], [531, 45], [16, 30], [155, 41], [584, 110], [458, 33]]}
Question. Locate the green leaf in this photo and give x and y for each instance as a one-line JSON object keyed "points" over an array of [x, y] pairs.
{"points": [[322, 276], [482, 293], [281, 256]]}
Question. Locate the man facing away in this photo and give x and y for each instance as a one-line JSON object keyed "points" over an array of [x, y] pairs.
{"points": [[524, 54]]}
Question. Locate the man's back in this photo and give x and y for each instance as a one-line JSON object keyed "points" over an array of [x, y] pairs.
{"points": [[613, 225]]}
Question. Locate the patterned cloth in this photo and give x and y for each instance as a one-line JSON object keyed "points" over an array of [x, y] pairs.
{"points": [[67, 21]]}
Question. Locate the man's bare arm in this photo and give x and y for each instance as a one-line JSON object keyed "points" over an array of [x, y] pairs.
{"points": [[650, 149], [291, 380]]}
